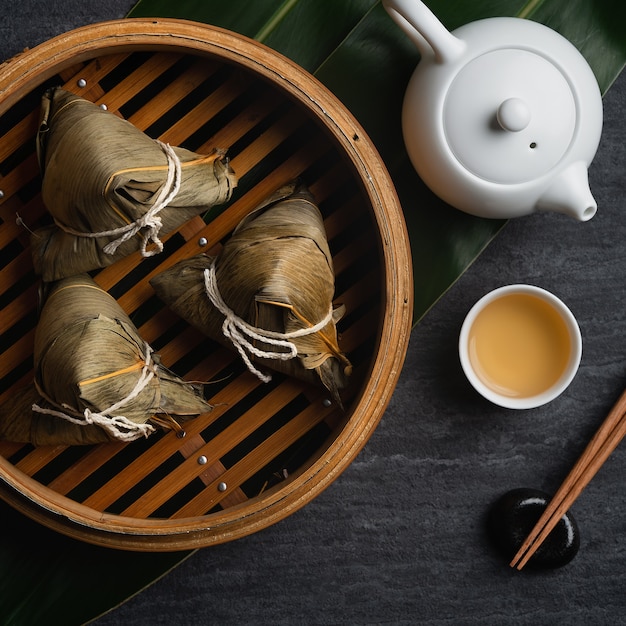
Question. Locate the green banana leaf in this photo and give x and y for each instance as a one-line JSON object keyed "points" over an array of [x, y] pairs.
{"points": [[366, 61]]}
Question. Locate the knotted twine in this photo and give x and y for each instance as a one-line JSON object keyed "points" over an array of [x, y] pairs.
{"points": [[149, 220], [118, 426], [236, 329]]}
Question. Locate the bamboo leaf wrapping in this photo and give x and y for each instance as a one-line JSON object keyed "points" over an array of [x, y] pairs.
{"points": [[275, 273], [106, 358], [101, 173]]}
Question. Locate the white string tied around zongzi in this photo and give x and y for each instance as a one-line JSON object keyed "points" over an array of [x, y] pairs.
{"points": [[236, 330], [150, 221], [118, 426]]}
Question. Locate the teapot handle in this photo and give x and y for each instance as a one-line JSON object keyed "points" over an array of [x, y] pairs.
{"points": [[425, 30]]}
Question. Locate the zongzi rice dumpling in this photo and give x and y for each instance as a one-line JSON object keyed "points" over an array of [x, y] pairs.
{"points": [[268, 293], [95, 378], [111, 189]]}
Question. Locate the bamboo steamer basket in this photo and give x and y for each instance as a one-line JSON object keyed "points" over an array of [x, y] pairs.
{"points": [[266, 449]]}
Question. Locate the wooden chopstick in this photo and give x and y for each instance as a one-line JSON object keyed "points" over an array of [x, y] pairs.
{"points": [[607, 438]]}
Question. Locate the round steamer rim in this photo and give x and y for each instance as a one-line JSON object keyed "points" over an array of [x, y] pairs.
{"points": [[29, 69]]}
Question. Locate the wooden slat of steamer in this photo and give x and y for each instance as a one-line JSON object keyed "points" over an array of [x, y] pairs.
{"points": [[15, 270], [210, 369], [163, 449], [255, 112], [16, 353], [179, 347], [360, 333], [154, 327], [150, 70], [18, 135], [24, 303], [268, 141], [215, 449], [361, 330], [10, 229], [33, 463], [67, 73], [9, 448], [178, 89], [92, 72], [326, 185], [360, 246], [26, 379], [345, 217], [235, 496], [198, 115], [359, 292], [236, 475], [20, 176], [191, 228], [94, 458]]}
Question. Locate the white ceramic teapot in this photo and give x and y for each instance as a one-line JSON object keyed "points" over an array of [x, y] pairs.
{"points": [[502, 117]]}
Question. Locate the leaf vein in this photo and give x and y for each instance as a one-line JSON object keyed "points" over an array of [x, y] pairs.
{"points": [[529, 8], [275, 20]]}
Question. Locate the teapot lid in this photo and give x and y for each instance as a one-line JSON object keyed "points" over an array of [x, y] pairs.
{"points": [[509, 115]]}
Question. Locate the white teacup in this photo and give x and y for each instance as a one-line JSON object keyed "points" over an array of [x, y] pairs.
{"points": [[520, 346]]}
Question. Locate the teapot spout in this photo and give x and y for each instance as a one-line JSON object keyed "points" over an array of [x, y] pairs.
{"points": [[569, 193]]}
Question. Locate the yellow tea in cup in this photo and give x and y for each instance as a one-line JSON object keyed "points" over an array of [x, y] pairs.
{"points": [[520, 346]]}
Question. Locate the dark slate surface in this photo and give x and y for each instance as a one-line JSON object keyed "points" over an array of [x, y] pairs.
{"points": [[399, 538]]}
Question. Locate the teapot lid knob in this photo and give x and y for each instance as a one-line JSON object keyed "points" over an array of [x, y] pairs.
{"points": [[513, 115]]}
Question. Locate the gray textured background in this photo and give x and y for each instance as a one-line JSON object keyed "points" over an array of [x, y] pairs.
{"points": [[399, 538]]}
